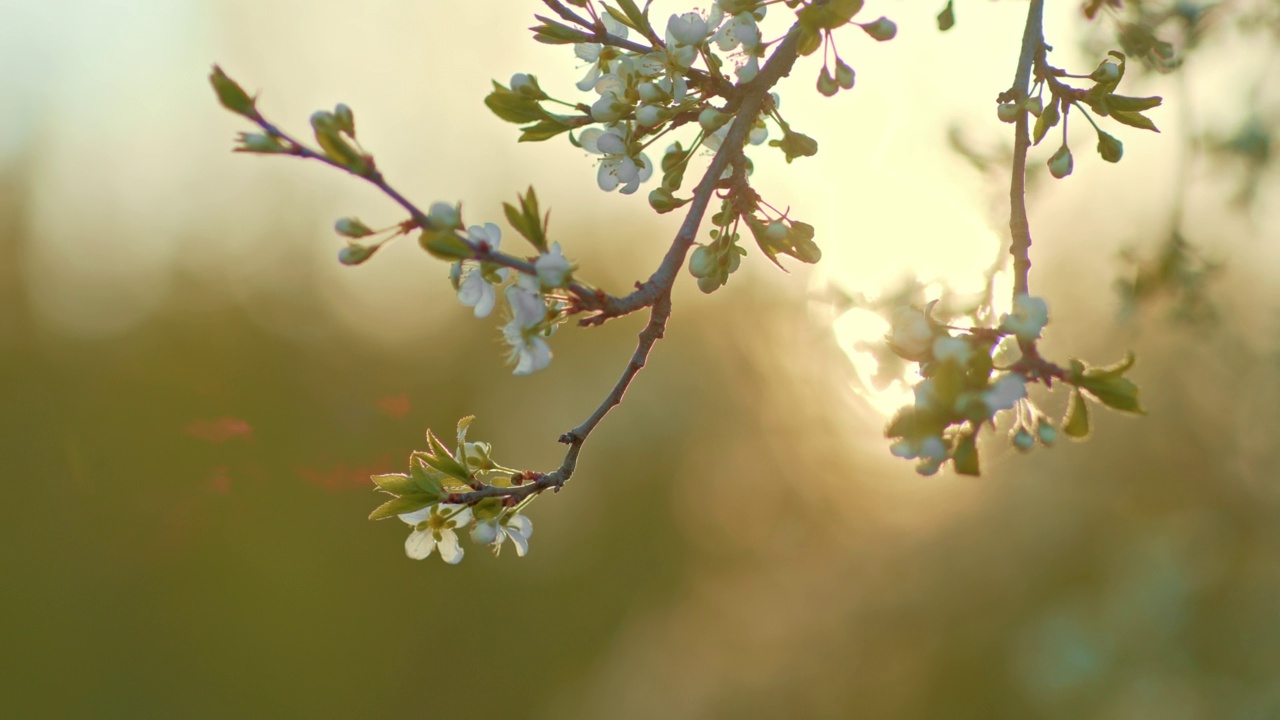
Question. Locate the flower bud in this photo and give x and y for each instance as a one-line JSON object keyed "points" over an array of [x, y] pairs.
{"points": [[882, 29], [712, 120], [649, 115], [1047, 433], [1022, 439], [351, 227], [356, 254], [1060, 164], [445, 216], [650, 92], [346, 119], [1110, 148], [710, 283], [1007, 112], [827, 85], [844, 74], [1106, 72], [702, 262], [776, 231], [259, 143]]}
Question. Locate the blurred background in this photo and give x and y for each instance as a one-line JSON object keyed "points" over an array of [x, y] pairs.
{"points": [[196, 392]]}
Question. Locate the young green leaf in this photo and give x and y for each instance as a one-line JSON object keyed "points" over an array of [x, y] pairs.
{"points": [[1075, 424], [402, 505], [1048, 118]]}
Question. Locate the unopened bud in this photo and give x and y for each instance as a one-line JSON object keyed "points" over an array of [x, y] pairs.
{"points": [[712, 120], [882, 29], [351, 227], [1007, 112], [346, 119], [1110, 148], [1106, 72], [1023, 440], [356, 254], [1060, 164], [702, 262]]}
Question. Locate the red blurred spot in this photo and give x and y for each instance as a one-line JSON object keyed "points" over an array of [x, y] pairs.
{"points": [[219, 430], [343, 477], [221, 481], [396, 406]]}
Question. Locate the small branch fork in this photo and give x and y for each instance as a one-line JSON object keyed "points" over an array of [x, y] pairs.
{"points": [[654, 293]]}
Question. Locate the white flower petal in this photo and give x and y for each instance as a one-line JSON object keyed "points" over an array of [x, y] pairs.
{"points": [[450, 551], [607, 175], [416, 516], [419, 544], [611, 143], [520, 541], [588, 139], [520, 524]]}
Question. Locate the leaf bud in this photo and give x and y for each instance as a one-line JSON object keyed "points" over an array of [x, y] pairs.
{"points": [[231, 95]]}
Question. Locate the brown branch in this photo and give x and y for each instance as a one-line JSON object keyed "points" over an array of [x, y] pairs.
{"points": [[1019, 226]]}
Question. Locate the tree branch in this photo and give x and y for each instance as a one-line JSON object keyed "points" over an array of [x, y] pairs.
{"points": [[1019, 226]]}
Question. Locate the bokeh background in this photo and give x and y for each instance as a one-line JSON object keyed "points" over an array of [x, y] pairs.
{"points": [[194, 391]]}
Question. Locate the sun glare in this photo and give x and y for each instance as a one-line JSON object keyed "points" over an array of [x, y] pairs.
{"points": [[928, 229]]}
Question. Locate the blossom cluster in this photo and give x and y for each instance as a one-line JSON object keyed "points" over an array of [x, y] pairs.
{"points": [[961, 389], [431, 499]]}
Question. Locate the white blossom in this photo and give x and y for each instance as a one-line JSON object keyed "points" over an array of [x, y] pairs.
{"points": [[529, 349], [434, 527], [910, 332], [552, 267], [947, 348], [1005, 392], [494, 532], [1029, 316], [618, 167], [474, 290]]}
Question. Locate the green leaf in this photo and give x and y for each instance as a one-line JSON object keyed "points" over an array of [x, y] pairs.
{"points": [[1075, 424], [829, 15], [1134, 119], [527, 220], [441, 459], [551, 32], [1117, 393], [639, 20], [1048, 118], [424, 476], [396, 484], [1132, 104], [544, 130], [514, 107], [402, 505], [621, 17], [947, 18], [965, 456], [1115, 369]]}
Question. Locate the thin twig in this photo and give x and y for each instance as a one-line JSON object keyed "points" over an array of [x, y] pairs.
{"points": [[1019, 226]]}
